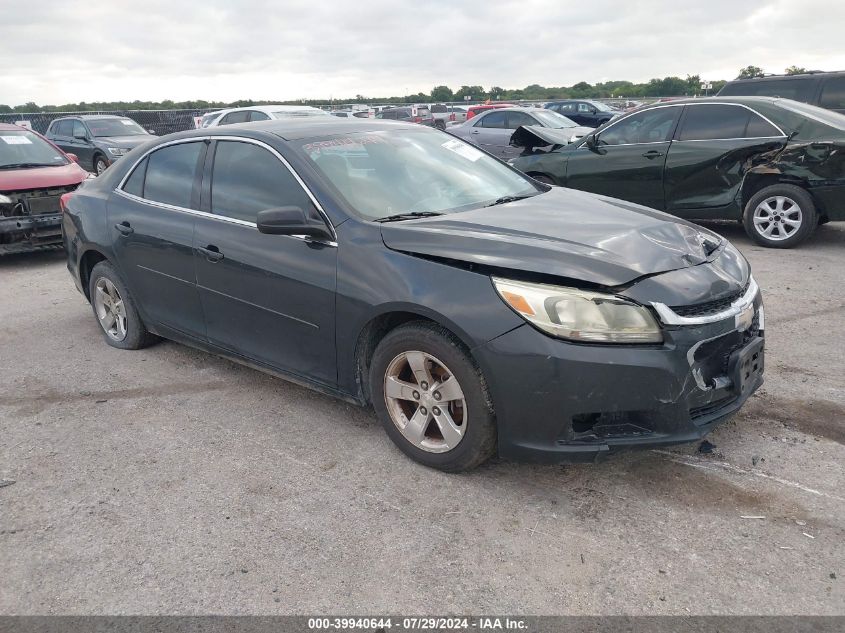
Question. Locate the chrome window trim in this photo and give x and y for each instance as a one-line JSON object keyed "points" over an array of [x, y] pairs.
{"points": [[681, 105], [224, 137], [670, 317], [734, 138]]}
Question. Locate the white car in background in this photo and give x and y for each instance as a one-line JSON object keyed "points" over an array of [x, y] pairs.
{"points": [[260, 113]]}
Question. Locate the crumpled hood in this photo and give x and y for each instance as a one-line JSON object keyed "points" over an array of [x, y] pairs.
{"points": [[563, 232], [531, 136], [41, 177], [128, 142]]}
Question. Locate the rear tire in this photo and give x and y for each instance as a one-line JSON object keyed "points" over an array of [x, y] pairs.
{"points": [[432, 399], [780, 216], [115, 310], [440, 125]]}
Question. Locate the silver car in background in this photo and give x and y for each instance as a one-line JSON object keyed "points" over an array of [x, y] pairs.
{"points": [[492, 130]]}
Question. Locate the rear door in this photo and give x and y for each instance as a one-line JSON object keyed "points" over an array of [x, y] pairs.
{"points": [[152, 223], [706, 162], [269, 298], [628, 158]]}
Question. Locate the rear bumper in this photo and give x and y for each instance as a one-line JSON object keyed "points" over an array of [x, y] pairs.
{"points": [[29, 232], [562, 402]]}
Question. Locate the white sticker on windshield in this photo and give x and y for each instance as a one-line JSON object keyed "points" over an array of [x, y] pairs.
{"points": [[462, 149], [15, 140], [128, 122]]}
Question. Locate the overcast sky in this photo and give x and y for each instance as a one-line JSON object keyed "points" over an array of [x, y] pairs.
{"points": [[74, 50]]}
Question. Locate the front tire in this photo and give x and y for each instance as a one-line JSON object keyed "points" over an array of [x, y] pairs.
{"points": [[116, 311], [432, 399], [100, 164], [780, 216]]}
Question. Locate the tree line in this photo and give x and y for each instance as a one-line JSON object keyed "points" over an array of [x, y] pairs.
{"points": [[666, 87]]}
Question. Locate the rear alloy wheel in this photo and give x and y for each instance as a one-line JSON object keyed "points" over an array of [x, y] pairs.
{"points": [[780, 216], [115, 310], [431, 398]]}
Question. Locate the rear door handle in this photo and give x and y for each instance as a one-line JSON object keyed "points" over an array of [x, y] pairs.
{"points": [[124, 229], [652, 153], [211, 252]]}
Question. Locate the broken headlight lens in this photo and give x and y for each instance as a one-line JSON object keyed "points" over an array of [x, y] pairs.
{"points": [[580, 315]]}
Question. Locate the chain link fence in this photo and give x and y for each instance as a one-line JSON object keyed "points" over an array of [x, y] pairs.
{"points": [[158, 122]]}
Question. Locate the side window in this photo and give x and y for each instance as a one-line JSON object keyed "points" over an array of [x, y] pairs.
{"points": [[64, 128], [650, 126], [585, 107], [438, 108], [135, 183], [758, 127], [235, 117], [833, 94], [254, 115], [705, 122], [516, 119], [78, 129], [493, 119], [246, 179], [171, 172]]}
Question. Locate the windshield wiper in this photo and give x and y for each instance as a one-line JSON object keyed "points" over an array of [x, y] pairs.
{"points": [[26, 165], [408, 216], [506, 199]]}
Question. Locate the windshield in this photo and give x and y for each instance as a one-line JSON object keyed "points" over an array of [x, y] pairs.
{"points": [[601, 107], [550, 118], [25, 149], [386, 173], [114, 127]]}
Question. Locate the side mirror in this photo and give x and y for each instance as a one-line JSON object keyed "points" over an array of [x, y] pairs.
{"points": [[591, 141], [73, 157], [593, 110], [290, 221]]}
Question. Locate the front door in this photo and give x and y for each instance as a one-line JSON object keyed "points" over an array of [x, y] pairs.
{"points": [[152, 225], [626, 159], [269, 298]]}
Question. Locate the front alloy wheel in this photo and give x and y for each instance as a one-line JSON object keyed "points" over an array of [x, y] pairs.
{"points": [[431, 397], [425, 401], [100, 165]]}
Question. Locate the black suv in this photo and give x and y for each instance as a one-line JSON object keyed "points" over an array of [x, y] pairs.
{"points": [[588, 113], [826, 90]]}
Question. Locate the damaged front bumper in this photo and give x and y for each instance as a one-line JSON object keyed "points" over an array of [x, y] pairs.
{"points": [[564, 402], [29, 232]]}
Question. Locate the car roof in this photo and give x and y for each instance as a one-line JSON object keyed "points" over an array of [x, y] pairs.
{"points": [[804, 75], [729, 100], [269, 108], [301, 128], [13, 128], [89, 117]]}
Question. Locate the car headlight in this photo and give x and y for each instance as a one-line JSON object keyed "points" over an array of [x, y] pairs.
{"points": [[580, 315], [117, 151]]}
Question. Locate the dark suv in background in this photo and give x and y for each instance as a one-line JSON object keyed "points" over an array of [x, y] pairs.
{"points": [[826, 90], [588, 113], [409, 114], [98, 140]]}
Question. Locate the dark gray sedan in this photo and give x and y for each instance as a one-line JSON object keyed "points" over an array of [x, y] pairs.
{"points": [[98, 140], [476, 309], [492, 130]]}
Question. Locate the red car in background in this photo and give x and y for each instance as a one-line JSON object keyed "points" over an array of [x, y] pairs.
{"points": [[34, 174], [478, 109]]}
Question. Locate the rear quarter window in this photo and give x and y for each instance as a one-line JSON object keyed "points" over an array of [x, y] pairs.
{"points": [[171, 172], [833, 94]]}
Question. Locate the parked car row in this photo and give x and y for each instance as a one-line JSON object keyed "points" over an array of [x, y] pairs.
{"points": [[776, 165]]}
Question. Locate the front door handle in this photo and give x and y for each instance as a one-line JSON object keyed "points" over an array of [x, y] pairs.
{"points": [[212, 253], [124, 229], [652, 153]]}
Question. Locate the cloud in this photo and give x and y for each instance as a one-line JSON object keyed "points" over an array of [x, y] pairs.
{"points": [[69, 51]]}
